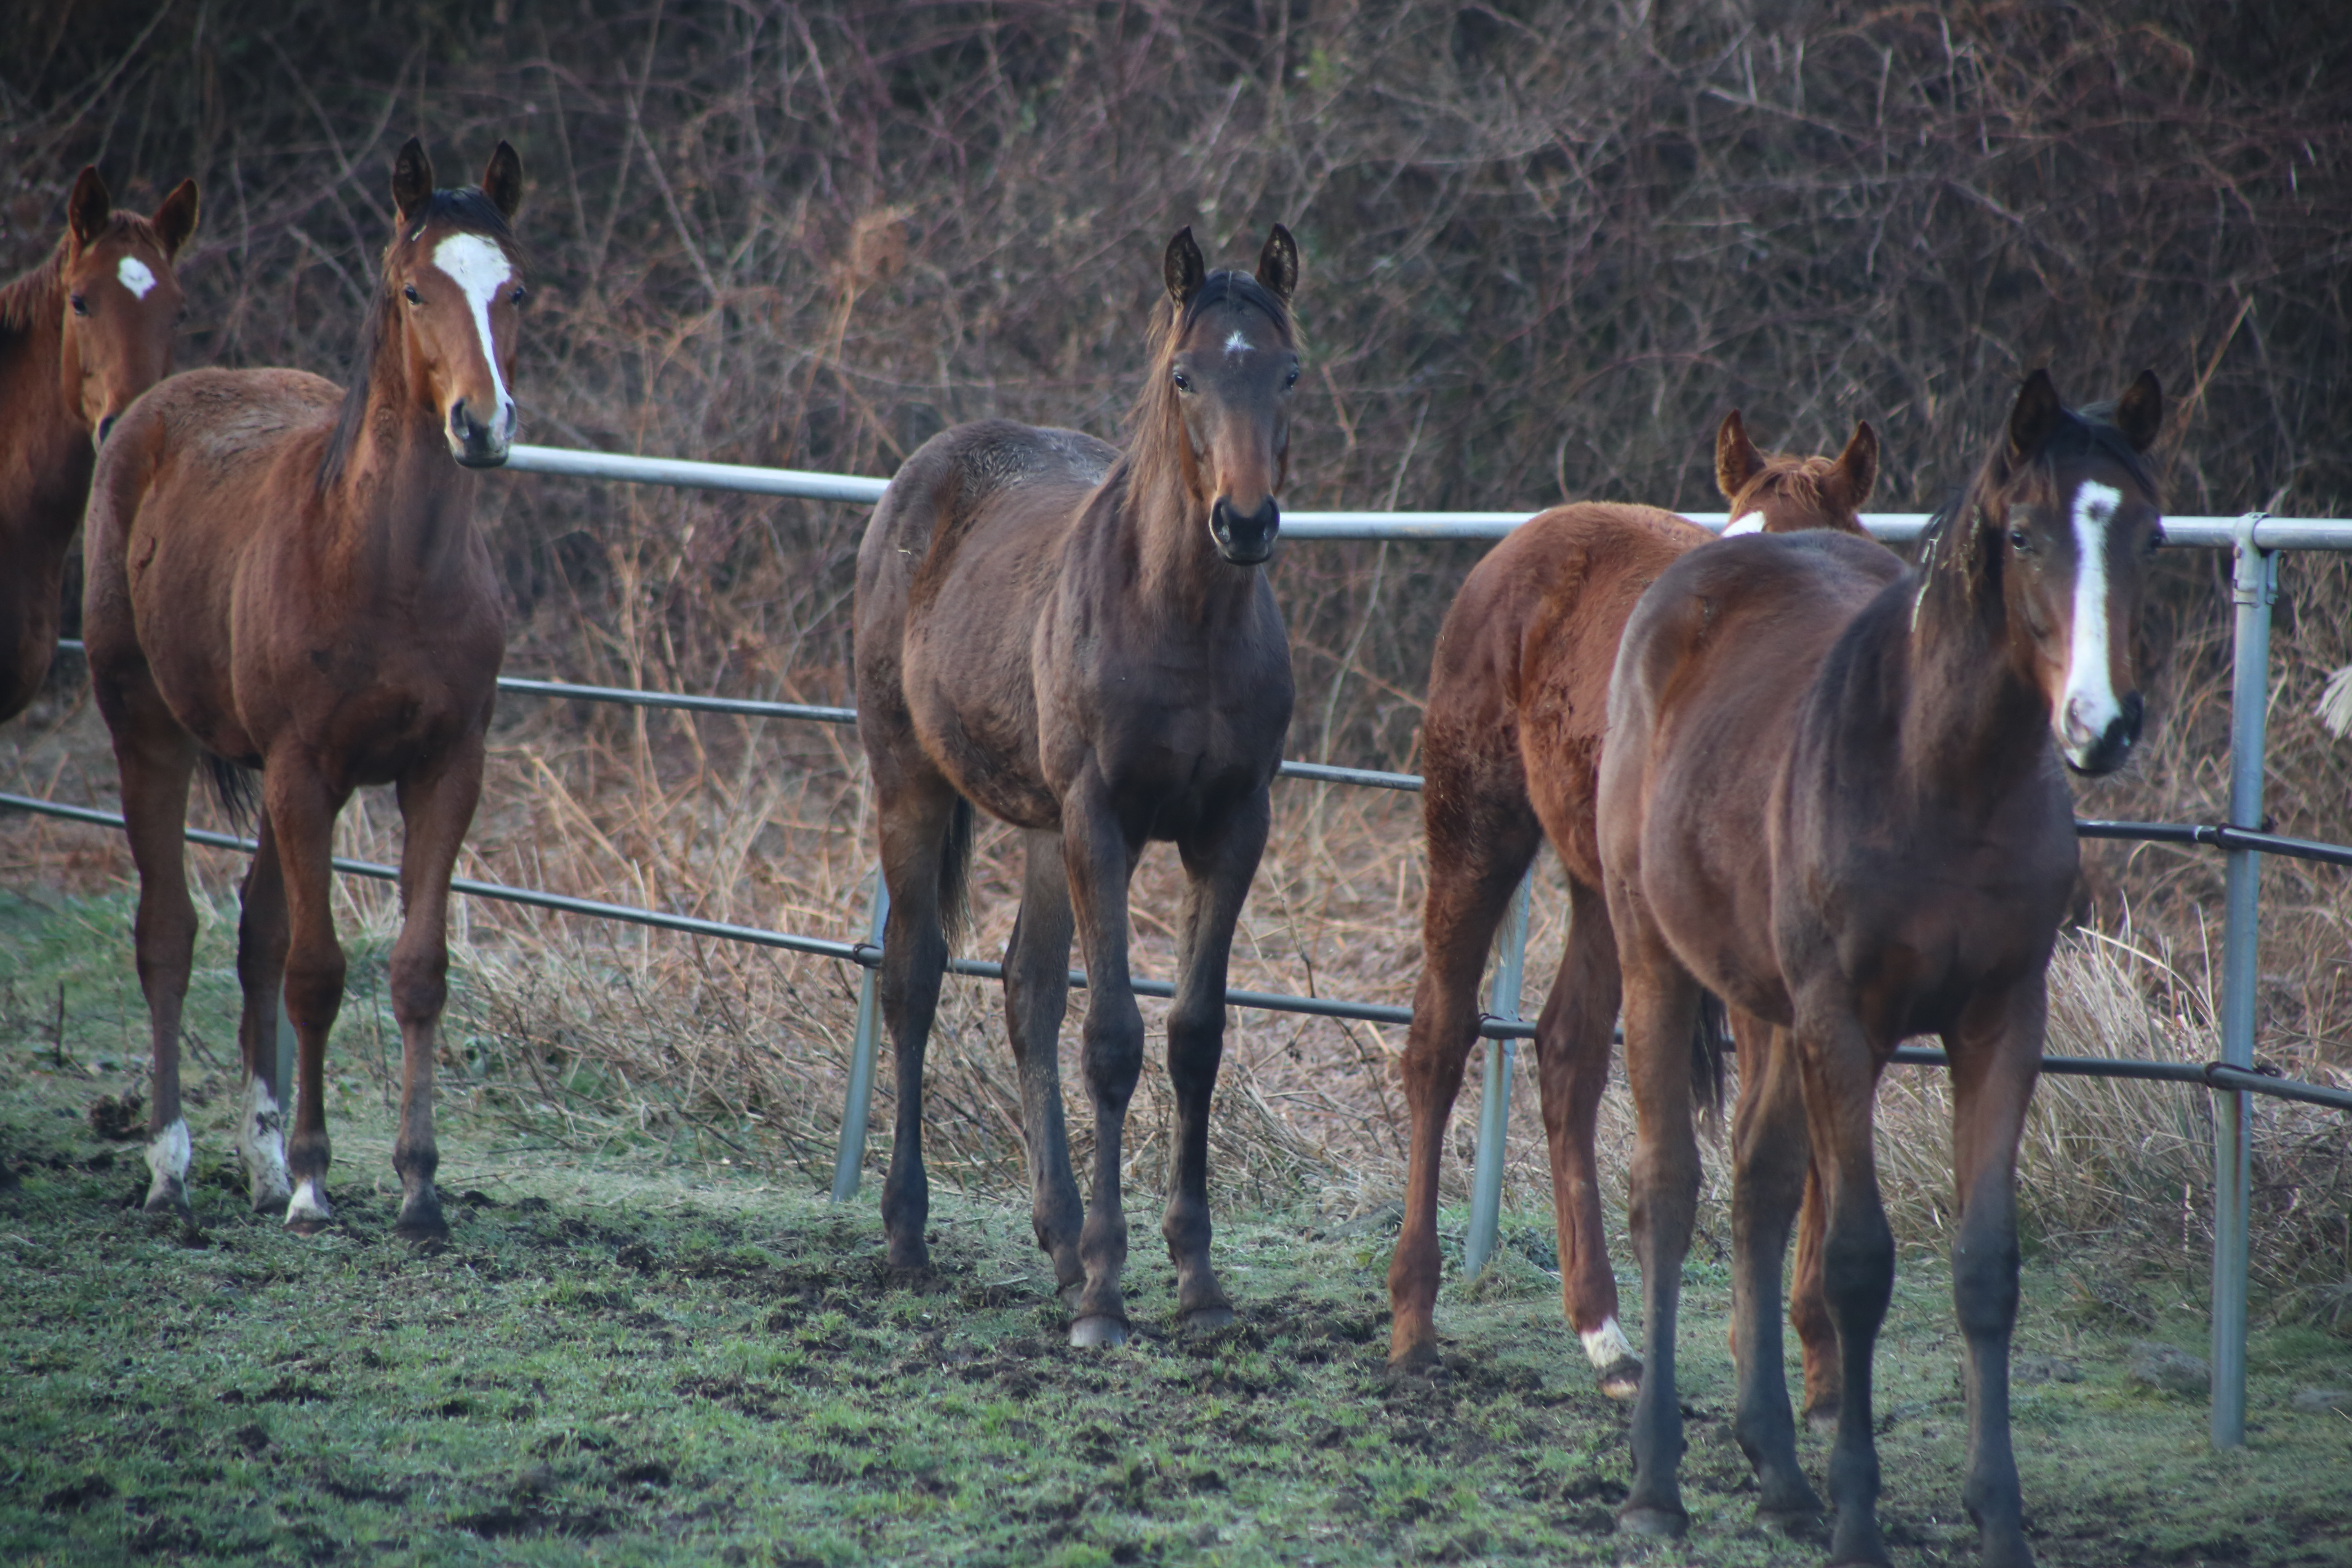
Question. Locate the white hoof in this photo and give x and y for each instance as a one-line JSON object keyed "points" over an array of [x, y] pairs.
{"points": [[168, 1156]]}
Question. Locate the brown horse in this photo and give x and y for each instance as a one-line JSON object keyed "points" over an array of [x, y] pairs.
{"points": [[288, 576], [80, 336], [1078, 640], [1518, 692], [1830, 795]]}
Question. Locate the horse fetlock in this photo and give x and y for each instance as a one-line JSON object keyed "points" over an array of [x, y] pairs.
{"points": [[308, 1212], [169, 1153]]}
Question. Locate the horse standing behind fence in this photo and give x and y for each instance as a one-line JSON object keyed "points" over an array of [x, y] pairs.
{"points": [[1892, 855], [1079, 641], [1519, 693], [80, 336], [288, 576]]}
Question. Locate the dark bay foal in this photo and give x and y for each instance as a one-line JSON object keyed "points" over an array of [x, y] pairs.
{"points": [[1080, 641], [1832, 795]]}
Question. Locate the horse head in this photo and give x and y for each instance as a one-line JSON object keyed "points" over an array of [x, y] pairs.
{"points": [[2068, 517], [456, 274], [122, 302], [1230, 361], [1780, 493]]}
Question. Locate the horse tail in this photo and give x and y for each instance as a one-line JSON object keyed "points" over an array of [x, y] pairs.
{"points": [[955, 868], [1710, 1041], [233, 787]]}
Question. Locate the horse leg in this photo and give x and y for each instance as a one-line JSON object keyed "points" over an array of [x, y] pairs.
{"points": [[1841, 1077], [916, 816], [156, 758], [1218, 865], [261, 972], [1809, 1309], [1473, 872], [1661, 1008], [302, 809], [1036, 997], [1996, 1057], [1101, 861], [1770, 1154], [1572, 1049], [437, 806]]}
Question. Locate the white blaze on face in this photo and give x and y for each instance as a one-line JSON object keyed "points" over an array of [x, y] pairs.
{"points": [[479, 270], [1607, 1345], [2090, 702], [1746, 522], [135, 277], [1237, 342], [168, 1153]]}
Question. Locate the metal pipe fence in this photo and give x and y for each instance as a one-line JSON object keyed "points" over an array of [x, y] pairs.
{"points": [[2255, 540]]}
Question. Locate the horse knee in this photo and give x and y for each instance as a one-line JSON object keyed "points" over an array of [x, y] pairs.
{"points": [[314, 987], [419, 985], [1984, 1284], [1858, 1269]]}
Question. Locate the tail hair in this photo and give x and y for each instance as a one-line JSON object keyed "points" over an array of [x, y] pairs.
{"points": [[1710, 1040], [955, 868], [234, 789]]}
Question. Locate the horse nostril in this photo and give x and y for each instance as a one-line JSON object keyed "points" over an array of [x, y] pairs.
{"points": [[104, 426]]}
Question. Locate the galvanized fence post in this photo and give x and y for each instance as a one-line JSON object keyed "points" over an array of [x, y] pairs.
{"points": [[1495, 1099], [2253, 586], [863, 1049]]}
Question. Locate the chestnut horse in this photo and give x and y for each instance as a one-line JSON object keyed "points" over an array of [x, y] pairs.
{"points": [[1078, 640], [1831, 795], [1518, 692], [80, 336], [288, 576]]}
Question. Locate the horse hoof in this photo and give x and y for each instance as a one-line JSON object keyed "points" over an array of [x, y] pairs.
{"points": [[1799, 1524], [424, 1230], [272, 1204], [1657, 1523], [1098, 1331], [1622, 1379], [310, 1223], [1202, 1322]]}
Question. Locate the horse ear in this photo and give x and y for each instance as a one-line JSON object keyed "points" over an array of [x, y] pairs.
{"points": [[88, 208], [412, 180], [1183, 268], [1278, 264], [2036, 414], [2139, 412], [175, 220], [1857, 465], [502, 180], [1737, 460]]}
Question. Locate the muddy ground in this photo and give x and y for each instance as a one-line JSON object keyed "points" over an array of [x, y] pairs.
{"points": [[636, 1357]]}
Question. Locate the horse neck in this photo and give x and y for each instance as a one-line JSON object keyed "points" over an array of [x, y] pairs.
{"points": [[1178, 571], [45, 427], [1975, 725], [401, 509]]}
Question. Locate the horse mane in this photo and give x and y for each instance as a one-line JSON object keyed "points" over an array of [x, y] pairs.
{"points": [[470, 210], [1156, 430], [1950, 544]]}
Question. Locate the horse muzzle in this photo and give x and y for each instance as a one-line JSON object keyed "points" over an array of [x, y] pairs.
{"points": [[476, 443], [1244, 539], [2094, 748]]}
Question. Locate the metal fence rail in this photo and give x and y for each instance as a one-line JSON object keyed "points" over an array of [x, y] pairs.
{"points": [[2255, 540]]}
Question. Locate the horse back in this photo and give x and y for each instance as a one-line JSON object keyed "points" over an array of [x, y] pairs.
{"points": [[1705, 699], [961, 554]]}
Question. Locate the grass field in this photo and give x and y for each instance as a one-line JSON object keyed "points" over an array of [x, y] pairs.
{"points": [[648, 1356]]}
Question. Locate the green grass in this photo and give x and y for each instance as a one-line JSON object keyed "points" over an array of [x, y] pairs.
{"points": [[628, 1361]]}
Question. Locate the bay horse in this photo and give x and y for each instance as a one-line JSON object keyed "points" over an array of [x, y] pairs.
{"points": [[1519, 695], [80, 336], [1078, 640], [288, 576], [1831, 795]]}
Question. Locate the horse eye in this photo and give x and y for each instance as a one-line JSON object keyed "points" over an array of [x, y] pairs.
{"points": [[2154, 541], [80, 305], [410, 293], [1183, 382], [520, 295], [1292, 379], [2022, 540]]}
